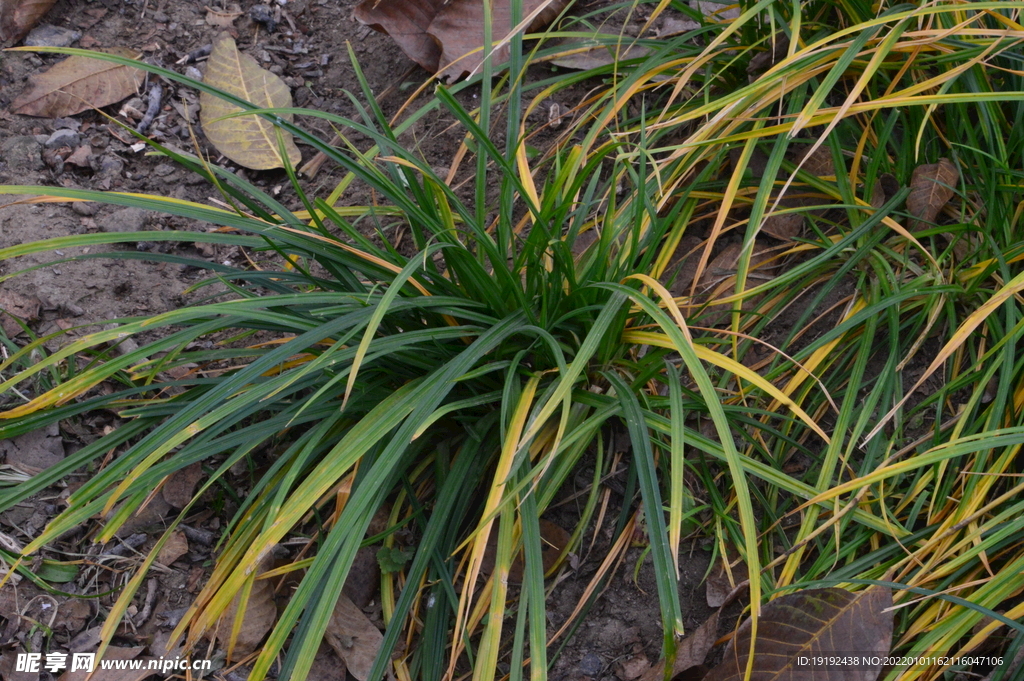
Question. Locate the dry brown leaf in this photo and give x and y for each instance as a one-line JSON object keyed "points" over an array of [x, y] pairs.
{"points": [[580, 57], [811, 623], [175, 547], [632, 667], [181, 484], [931, 188], [354, 637], [877, 195], [327, 666], [553, 539], [17, 17], [459, 29], [407, 23], [250, 141], [16, 305], [441, 37], [219, 19], [690, 652], [719, 585], [79, 83], [258, 618]]}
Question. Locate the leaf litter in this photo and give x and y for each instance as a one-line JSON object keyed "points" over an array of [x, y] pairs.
{"points": [[78, 83]]}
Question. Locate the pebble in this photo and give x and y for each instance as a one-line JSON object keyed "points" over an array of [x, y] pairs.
{"points": [[591, 665], [63, 138], [47, 35], [21, 153], [163, 170], [84, 208], [161, 17], [125, 220]]}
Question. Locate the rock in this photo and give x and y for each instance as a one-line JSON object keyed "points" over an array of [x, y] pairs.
{"points": [[161, 17], [35, 451], [163, 170], [63, 138], [69, 123], [85, 208], [21, 153], [591, 665], [124, 220], [715, 10], [47, 35]]}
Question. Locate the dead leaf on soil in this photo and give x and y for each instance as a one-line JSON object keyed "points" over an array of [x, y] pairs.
{"points": [[632, 667], [931, 188], [581, 56], [691, 651], [258, 617], [16, 305], [455, 29], [7, 668], [354, 637], [17, 17], [250, 141], [719, 585], [223, 19], [327, 666], [553, 540], [181, 484], [79, 83], [407, 23], [175, 547], [815, 622]]}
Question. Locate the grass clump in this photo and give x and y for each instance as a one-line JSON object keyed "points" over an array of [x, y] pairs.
{"points": [[459, 388]]}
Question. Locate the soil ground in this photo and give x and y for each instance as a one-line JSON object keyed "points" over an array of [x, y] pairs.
{"points": [[620, 635]]}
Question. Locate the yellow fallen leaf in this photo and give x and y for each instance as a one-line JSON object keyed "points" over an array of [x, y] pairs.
{"points": [[250, 141]]}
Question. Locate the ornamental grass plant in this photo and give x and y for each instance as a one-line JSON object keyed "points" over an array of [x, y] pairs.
{"points": [[842, 405]]}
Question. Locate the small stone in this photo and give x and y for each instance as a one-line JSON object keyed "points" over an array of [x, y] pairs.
{"points": [[161, 17], [163, 170], [21, 153], [591, 665], [124, 220], [63, 138], [47, 35], [86, 208], [69, 123]]}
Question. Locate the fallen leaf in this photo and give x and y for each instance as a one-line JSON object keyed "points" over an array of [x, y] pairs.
{"points": [[181, 484], [223, 19], [447, 38], [353, 637], [81, 156], [877, 195], [250, 141], [593, 53], [690, 652], [931, 188], [17, 17], [632, 667], [814, 622], [16, 305], [258, 617], [763, 61], [459, 29], [407, 23], [8, 666], [719, 585], [327, 666], [553, 539], [175, 547], [79, 83]]}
